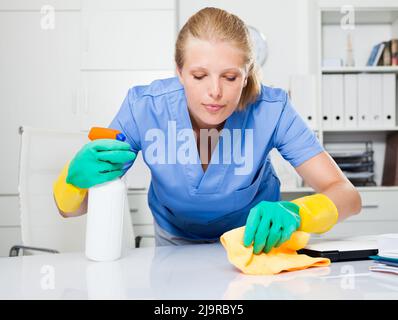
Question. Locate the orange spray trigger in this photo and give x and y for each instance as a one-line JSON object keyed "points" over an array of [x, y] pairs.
{"points": [[105, 133]]}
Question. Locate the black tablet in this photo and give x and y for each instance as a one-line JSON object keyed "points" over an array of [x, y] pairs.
{"points": [[341, 250]]}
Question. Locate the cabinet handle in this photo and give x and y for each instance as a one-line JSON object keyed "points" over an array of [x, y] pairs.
{"points": [[133, 210], [370, 206], [136, 189]]}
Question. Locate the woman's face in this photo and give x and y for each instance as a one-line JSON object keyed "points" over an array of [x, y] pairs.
{"points": [[213, 76]]}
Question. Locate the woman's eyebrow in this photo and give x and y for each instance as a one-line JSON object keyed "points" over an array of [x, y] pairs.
{"points": [[232, 69], [224, 70]]}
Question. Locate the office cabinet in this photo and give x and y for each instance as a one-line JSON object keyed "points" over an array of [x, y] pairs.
{"points": [[39, 72], [370, 92], [142, 218], [140, 212], [367, 92], [376, 217], [73, 73]]}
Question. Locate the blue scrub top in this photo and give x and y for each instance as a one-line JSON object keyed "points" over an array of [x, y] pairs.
{"points": [[197, 205]]}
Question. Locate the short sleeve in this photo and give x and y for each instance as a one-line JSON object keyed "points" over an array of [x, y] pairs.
{"points": [[125, 122], [295, 141]]}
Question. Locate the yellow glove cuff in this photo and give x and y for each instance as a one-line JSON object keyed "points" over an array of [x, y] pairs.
{"points": [[68, 197], [317, 212]]}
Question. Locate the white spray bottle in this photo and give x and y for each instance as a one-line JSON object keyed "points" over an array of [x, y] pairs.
{"points": [[106, 207]]}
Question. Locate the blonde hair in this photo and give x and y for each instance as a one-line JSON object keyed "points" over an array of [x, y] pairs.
{"points": [[215, 24]]}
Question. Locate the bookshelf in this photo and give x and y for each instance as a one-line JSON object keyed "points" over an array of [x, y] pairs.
{"points": [[371, 22], [375, 21]]}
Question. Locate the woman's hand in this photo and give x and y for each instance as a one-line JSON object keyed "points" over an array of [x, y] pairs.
{"points": [[270, 224], [99, 161]]}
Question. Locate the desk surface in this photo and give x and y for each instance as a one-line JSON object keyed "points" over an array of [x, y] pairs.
{"points": [[186, 272]]}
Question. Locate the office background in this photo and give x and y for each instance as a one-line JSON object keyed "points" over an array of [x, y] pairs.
{"points": [[67, 64]]}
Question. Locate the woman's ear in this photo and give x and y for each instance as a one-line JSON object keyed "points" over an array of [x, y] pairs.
{"points": [[245, 83]]}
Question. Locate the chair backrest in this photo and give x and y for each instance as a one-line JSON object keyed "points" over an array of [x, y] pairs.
{"points": [[43, 154]]}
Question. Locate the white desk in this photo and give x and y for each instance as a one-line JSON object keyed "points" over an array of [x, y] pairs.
{"points": [[188, 272]]}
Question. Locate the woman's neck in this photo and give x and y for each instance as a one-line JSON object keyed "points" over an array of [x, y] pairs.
{"points": [[207, 144]]}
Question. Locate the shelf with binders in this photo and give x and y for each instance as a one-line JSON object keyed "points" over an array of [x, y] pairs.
{"points": [[345, 39], [358, 51], [359, 102]]}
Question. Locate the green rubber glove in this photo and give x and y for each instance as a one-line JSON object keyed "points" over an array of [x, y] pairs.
{"points": [[99, 161], [269, 224]]}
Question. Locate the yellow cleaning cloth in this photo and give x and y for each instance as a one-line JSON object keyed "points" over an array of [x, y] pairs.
{"points": [[284, 258]]}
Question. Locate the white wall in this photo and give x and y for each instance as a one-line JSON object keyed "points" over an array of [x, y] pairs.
{"points": [[286, 25]]}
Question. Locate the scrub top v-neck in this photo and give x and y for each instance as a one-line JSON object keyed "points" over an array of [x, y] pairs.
{"points": [[200, 181], [189, 202]]}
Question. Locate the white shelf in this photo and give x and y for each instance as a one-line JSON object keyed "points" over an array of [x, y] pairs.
{"points": [[366, 69]]}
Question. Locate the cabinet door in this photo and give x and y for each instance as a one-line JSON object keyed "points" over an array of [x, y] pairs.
{"points": [[39, 73], [350, 228], [378, 205], [133, 40], [378, 216], [139, 209]]}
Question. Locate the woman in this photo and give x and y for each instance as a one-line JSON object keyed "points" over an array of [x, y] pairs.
{"points": [[217, 104]]}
